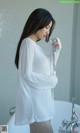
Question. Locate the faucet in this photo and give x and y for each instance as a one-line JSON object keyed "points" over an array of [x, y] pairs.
{"points": [[70, 126], [74, 119], [74, 115]]}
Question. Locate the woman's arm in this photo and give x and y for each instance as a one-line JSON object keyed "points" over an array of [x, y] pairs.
{"points": [[33, 79], [56, 48]]}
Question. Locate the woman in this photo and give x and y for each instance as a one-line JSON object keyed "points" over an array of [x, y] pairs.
{"points": [[36, 73]]}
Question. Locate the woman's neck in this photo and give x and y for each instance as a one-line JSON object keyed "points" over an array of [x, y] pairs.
{"points": [[33, 37]]}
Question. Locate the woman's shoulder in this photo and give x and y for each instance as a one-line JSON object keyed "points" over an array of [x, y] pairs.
{"points": [[28, 41], [27, 44]]}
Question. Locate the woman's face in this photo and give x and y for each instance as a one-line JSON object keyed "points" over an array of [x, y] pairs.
{"points": [[42, 33]]}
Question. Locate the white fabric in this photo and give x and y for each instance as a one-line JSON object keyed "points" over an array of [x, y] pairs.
{"points": [[36, 80]]}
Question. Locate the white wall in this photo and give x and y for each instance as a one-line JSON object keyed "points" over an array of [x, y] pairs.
{"points": [[13, 15], [75, 65]]}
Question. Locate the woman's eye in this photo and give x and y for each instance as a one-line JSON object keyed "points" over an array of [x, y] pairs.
{"points": [[47, 27]]}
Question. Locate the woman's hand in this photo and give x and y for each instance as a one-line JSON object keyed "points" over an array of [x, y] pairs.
{"points": [[56, 43]]}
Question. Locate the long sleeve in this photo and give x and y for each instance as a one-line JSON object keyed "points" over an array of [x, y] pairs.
{"points": [[54, 56], [35, 80]]}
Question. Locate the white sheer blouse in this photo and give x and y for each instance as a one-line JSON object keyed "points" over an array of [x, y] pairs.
{"points": [[36, 80]]}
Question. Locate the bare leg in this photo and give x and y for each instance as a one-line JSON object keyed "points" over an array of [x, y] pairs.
{"points": [[41, 127]]}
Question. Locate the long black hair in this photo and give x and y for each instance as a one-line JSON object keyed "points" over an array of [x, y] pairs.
{"points": [[38, 19]]}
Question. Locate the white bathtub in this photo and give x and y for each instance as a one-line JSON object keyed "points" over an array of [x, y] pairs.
{"points": [[63, 110]]}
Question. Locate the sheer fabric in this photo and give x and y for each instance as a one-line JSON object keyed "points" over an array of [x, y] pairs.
{"points": [[37, 79]]}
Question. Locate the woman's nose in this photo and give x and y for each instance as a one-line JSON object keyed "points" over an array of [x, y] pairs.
{"points": [[48, 32]]}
